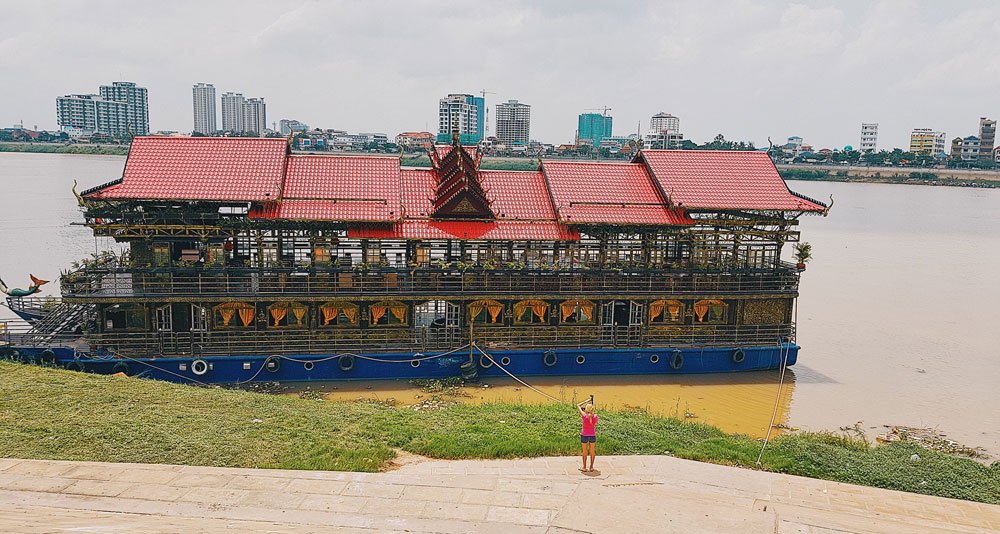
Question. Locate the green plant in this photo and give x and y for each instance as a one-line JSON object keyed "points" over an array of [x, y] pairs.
{"points": [[803, 252]]}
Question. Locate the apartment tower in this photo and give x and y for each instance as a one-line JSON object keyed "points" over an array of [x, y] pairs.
{"points": [[204, 108], [513, 122]]}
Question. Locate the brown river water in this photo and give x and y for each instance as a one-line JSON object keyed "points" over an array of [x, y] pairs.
{"points": [[897, 314]]}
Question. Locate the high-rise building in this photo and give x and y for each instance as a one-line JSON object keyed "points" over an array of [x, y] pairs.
{"points": [[135, 98], [254, 116], [92, 114], [232, 112], [927, 141], [664, 122], [204, 108], [513, 122], [869, 136], [592, 128], [987, 136], [467, 110]]}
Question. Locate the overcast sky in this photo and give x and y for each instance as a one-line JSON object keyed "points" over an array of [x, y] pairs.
{"points": [[748, 70]]}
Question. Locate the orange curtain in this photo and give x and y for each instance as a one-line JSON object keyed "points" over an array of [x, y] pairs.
{"points": [[674, 308], [588, 309], [329, 314], [494, 309], [399, 312], [539, 308], [352, 314], [299, 313], [227, 315], [246, 315], [568, 308], [655, 310], [277, 314], [519, 310], [475, 310], [700, 309], [377, 313]]}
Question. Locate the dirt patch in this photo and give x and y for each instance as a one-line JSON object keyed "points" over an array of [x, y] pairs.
{"points": [[402, 459]]}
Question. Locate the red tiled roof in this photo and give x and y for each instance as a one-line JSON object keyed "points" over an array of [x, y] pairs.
{"points": [[353, 188], [502, 230], [617, 193], [518, 195], [443, 150], [201, 168], [718, 179]]}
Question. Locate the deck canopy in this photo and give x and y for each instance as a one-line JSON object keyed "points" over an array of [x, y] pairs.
{"points": [[452, 199], [609, 193], [723, 180], [200, 168]]}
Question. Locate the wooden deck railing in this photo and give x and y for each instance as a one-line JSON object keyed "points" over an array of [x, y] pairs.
{"points": [[105, 284]]}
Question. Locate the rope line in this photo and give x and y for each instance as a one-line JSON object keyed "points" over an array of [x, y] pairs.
{"points": [[522, 382], [777, 399]]}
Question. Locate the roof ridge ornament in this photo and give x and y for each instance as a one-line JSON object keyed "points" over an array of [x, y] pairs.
{"points": [[455, 136], [826, 210]]}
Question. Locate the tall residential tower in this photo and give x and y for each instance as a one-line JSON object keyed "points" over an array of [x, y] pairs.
{"points": [[137, 112], [513, 122], [987, 136], [254, 116], [204, 108], [232, 112], [468, 111], [592, 127]]}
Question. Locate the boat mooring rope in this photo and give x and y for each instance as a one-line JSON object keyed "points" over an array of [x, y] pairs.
{"points": [[777, 399], [522, 382]]}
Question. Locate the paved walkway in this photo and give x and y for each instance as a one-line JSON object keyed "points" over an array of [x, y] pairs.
{"points": [[544, 495]]}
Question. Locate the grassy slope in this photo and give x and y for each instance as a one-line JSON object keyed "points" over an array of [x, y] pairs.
{"points": [[54, 414]]}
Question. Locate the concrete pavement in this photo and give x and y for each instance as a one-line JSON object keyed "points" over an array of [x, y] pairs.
{"points": [[543, 495]]}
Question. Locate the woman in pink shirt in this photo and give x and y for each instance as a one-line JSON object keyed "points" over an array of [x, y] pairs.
{"points": [[588, 435]]}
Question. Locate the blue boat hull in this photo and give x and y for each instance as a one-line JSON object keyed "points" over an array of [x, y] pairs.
{"points": [[367, 366]]}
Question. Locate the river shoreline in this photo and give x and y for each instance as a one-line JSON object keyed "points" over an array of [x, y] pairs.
{"points": [[54, 414]]}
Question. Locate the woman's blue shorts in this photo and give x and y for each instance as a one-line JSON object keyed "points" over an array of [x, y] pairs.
{"points": [[588, 439]]}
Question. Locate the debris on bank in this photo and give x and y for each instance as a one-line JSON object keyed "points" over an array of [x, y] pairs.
{"points": [[931, 439]]}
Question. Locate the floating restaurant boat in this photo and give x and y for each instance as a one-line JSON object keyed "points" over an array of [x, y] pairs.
{"points": [[243, 261]]}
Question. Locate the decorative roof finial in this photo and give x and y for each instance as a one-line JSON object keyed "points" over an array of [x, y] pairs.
{"points": [[455, 137]]}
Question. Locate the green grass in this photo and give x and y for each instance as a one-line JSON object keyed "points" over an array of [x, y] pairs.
{"points": [[54, 414], [65, 149]]}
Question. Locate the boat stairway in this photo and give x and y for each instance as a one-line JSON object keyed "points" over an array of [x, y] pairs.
{"points": [[64, 319]]}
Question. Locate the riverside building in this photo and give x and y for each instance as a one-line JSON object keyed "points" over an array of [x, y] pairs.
{"points": [[927, 141], [869, 137], [135, 99], [987, 136], [592, 128], [254, 116], [90, 114]]}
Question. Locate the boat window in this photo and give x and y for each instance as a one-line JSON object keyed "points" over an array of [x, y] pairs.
{"points": [[486, 312], [423, 254], [161, 254], [710, 311], [234, 315], [435, 314], [215, 254], [338, 314], [125, 317], [387, 313], [321, 254], [577, 312], [531, 312], [287, 314], [666, 312]]}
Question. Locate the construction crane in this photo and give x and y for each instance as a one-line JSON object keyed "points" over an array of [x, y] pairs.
{"points": [[604, 111], [486, 119]]}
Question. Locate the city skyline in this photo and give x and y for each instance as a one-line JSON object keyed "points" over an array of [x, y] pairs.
{"points": [[796, 71]]}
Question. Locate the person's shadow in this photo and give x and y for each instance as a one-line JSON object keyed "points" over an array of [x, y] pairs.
{"points": [[591, 473]]}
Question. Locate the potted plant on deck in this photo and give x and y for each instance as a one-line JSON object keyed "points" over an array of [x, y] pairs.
{"points": [[803, 253]]}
